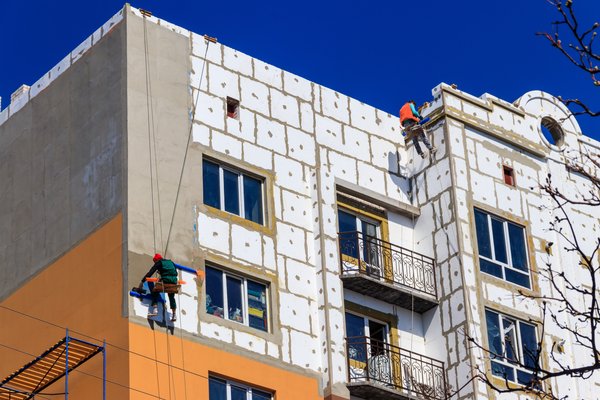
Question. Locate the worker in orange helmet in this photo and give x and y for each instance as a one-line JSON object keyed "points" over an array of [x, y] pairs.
{"points": [[409, 119], [168, 274]]}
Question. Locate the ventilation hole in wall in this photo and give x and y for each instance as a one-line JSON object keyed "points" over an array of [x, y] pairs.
{"points": [[233, 107], [552, 131], [509, 175]]}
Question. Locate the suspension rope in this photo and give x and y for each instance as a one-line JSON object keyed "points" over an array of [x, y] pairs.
{"points": [[151, 128], [208, 42], [148, 100]]}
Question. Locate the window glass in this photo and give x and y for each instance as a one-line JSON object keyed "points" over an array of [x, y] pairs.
{"points": [[257, 305], [529, 345], [490, 267], [355, 332], [499, 241], [517, 277], [483, 234], [253, 199], [210, 184], [234, 300], [517, 246], [493, 330], [508, 257], [238, 393], [516, 341], [378, 336], [510, 340], [217, 389], [214, 292], [348, 238], [231, 192], [258, 395]]}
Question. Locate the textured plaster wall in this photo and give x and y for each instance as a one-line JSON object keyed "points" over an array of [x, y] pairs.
{"points": [[61, 157]]}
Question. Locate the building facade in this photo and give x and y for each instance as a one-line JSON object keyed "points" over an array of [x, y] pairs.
{"points": [[332, 261]]}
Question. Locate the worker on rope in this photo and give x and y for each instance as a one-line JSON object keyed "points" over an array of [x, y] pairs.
{"points": [[168, 275], [409, 119]]}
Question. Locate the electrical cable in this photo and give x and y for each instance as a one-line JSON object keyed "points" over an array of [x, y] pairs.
{"points": [[98, 340], [77, 371]]}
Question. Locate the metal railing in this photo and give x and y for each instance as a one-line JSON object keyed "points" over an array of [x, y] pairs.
{"points": [[372, 361], [387, 262]]}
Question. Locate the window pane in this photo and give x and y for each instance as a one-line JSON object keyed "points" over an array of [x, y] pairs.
{"points": [[214, 292], [510, 339], [231, 192], [257, 306], [503, 371], [483, 234], [258, 395], [234, 300], [529, 345], [493, 331], [348, 238], [253, 205], [490, 267], [517, 247], [355, 332], [217, 389], [517, 277], [525, 378], [499, 240], [210, 184], [238, 393]]}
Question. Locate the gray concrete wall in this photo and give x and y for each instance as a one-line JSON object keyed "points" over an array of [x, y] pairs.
{"points": [[158, 124], [61, 163]]}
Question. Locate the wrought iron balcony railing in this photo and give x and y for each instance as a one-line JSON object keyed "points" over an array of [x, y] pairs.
{"points": [[375, 365], [387, 262]]}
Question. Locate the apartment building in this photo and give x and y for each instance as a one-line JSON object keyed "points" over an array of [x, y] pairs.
{"points": [[322, 258]]}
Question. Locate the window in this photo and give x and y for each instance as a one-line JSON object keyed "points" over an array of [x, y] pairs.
{"points": [[233, 107], [366, 337], [509, 175], [232, 191], [502, 249], [221, 389], [359, 239], [513, 347], [237, 299]]}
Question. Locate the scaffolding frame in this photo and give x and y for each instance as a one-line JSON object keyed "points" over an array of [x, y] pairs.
{"points": [[54, 363]]}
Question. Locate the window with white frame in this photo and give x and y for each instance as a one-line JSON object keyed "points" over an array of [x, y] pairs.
{"points": [[502, 248], [222, 389], [236, 298], [513, 347], [233, 191]]}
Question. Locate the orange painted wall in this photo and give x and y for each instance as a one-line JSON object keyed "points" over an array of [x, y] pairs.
{"points": [[200, 360], [82, 290]]}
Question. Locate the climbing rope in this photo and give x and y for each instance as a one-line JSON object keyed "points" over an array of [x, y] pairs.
{"points": [[194, 107]]}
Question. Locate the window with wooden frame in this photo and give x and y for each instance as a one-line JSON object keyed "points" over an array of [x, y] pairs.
{"points": [[509, 175]]}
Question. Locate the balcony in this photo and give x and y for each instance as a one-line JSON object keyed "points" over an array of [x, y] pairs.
{"points": [[387, 272], [378, 371]]}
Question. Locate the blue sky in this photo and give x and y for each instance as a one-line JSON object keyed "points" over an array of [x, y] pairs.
{"points": [[380, 52]]}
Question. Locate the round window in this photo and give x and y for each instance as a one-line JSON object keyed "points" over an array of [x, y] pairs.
{"points": [[552, 132]]}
